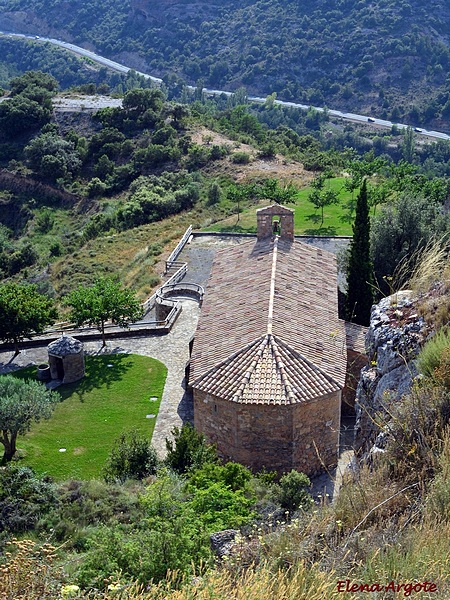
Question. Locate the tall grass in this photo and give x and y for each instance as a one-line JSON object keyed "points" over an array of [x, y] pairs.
{"points": [[419, 271], [432, 353], [431, 265]]}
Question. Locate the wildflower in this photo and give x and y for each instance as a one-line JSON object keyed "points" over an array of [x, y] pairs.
{"points": [[69, 591]]}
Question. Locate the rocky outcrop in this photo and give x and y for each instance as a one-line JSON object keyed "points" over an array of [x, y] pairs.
{"points": [[222, 541], [394, 338]]}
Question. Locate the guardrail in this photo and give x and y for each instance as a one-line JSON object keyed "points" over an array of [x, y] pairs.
{"points": [[178, 248], [191, 289], [154, 325]]}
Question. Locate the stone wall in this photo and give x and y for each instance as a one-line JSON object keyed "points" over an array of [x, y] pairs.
{"points": [[316, 434], [355, 363], [72, 366], [162, 311], [277, 437]]}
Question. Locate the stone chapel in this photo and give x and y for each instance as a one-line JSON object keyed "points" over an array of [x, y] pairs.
{"points": [[269, 359]]}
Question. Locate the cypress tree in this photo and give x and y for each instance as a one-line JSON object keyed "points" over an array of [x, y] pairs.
{"points": [[360, 270]]}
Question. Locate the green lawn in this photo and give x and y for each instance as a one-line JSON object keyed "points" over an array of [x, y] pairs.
{"points": [[332, 225], [114, 396]]}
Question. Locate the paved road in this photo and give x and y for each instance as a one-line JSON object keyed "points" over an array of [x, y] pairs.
{"points": [[363, 119]]}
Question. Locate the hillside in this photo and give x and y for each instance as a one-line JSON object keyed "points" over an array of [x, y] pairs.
{"points": [[78, 181], [88, 192], [380, 57], [83, 180]]}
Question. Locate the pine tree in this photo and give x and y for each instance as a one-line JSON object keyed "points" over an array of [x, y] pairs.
{"points": [[360, 271]]}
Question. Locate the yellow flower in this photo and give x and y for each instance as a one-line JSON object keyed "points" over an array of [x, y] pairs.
{"points": [[69, 591]]}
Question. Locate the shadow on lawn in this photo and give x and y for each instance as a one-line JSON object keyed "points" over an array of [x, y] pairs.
{"points": [[326, 231], [235, 229], [100, 371]]}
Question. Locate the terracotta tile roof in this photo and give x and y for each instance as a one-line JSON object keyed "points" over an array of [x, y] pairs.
{"points": [[356, 337], [271, 287], [266, 372]]}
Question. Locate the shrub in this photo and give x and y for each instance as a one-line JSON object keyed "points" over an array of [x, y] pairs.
{"points": [[219, 507], [433, 352], [232, 474], [188, 450], [45, 220], [55, 248], [132, 457], [145, 554], [96, 187], [241, 158], [292, 491], [24, 498], [84, 505], [214, 194]]}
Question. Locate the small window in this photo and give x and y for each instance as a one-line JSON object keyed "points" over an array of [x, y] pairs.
{"points": [[276, 225], [215, 408]]}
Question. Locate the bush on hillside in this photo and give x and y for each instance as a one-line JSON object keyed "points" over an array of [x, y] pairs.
{"points": [[132, 457], [188, 450], [292, 491], [433, 353], [24, 498]]}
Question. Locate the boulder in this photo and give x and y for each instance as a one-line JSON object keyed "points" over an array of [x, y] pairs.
{"points": [[222, 541]]}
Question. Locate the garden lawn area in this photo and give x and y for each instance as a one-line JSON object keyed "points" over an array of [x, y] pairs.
{"points": [[114, 396], [333, 223]]}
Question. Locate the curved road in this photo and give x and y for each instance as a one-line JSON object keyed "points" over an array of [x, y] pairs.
{"points": [[123, 69]]}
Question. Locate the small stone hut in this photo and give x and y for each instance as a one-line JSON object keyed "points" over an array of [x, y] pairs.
{"points": [[66, 359], [269, 359]]}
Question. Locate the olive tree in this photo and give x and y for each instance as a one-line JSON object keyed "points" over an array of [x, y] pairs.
{"points": [[21, 403]]}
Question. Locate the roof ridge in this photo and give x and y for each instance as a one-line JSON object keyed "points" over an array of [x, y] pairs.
{"points": [[281, 369], [272, 285], [248, 373], [300, 356], [229, 359]]}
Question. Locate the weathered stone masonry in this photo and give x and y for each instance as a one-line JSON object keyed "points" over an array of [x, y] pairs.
{"points": [[277, 437]]}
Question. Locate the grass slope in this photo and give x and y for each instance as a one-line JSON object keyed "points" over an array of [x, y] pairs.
{"points": [[333, 223], [93, 413]]}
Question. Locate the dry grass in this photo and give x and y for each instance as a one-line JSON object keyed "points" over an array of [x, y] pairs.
{"points": [[430, 265], [427, 274], [437, 504], [117, 254], [298, 583], [30, 572], [371, 497]]}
